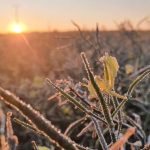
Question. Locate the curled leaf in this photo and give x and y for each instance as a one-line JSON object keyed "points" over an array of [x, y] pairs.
{"points": [[106, 84], [110, 69]]}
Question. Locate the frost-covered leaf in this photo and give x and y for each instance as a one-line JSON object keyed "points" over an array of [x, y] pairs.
{"points": [[110, 69], [106, 84]]}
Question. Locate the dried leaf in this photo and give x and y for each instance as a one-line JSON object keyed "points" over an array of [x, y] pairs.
{"points": [[119, 144]]}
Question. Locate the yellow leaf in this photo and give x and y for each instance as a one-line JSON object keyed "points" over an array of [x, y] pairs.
{"points": [[91, 89], [110, 69], [106, 85], [101, 83], [103, 87], [129, 68]]}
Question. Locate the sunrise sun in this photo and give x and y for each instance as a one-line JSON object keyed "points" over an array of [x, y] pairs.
{"points": [[17, 28]]}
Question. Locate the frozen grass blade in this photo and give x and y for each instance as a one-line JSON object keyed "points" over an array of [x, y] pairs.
{"points": [[87, 103], [104, 106], [74, 125], [100, 134], [137, 81], [27, 126], [135, 124], [131, 88], [75, 102], [116, 103], [119, 107]]}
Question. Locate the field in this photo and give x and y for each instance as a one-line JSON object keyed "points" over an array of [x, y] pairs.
{"points": [[26, 60]]}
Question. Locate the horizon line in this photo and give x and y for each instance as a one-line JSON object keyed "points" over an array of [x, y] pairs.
{"points": [[73, 30]]}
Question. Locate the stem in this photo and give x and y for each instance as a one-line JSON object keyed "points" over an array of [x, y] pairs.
{"points": [[100, 134], [76, 102], [44, 125], [103, 103]]}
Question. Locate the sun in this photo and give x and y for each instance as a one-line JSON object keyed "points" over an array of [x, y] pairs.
{"points": [[17, 28]]}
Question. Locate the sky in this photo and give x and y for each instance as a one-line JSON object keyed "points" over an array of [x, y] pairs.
{"points": [[43, 15]]}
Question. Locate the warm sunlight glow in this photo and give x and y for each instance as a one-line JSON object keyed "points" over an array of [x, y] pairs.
{"points": [[17, 28]]}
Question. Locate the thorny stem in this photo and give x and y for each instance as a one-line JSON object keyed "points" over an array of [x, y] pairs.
{"points": [[131, 88], [119, 108], [76, 102], [104, 106], [116, 103], [137, 126], [137, 81], [34, 145], [45, 126], [74, 124], [100, 134], [27, 126], [86, 102]]}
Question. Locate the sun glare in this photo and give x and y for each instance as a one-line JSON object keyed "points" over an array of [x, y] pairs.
{"points": [[17, 28]]}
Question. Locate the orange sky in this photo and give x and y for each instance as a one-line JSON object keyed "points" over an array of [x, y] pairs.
{"points": [[43, 15]]}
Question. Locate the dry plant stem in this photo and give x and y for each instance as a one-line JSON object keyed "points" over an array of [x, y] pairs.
{"points": [[76, 102], [45, 126], [131, 88], [83, 37], [86, 102], [119, 107], [74, 125], [100, 134], [85, 129], [140, 22], [11, 138], [116, 103], [34, 145], [27, 126], [137, 126], [146, 147], [104, 106], [3, 142]]}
